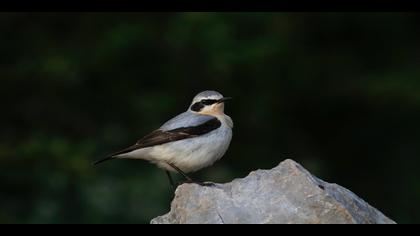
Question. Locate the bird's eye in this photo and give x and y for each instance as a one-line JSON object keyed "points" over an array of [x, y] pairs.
{"points": [[208, 101], [197, 106]]}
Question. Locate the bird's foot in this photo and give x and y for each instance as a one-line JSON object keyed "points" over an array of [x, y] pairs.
{"points": [[206, 184]]}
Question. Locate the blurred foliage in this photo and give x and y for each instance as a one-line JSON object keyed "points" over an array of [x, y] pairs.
{"points": [[337, 92]]}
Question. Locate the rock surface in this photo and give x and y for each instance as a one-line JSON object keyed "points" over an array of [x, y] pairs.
{"points": [[285, 194]]}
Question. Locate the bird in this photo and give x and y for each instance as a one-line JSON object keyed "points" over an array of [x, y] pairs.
{"points": [[191, 141]]}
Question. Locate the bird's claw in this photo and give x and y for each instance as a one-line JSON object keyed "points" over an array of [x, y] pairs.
{"points": [[206, 184]]}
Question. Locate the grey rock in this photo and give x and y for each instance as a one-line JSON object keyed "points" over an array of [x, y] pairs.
{"points": [[285, 194]]}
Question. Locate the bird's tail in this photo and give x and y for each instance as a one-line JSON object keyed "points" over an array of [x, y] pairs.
{"points": [[103, 160]]}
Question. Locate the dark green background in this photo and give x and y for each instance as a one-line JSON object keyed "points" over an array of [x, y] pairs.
{"points": [[337, 92]]}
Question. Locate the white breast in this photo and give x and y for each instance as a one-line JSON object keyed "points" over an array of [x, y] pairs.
{"points": [[194, 153], [190, 154]]}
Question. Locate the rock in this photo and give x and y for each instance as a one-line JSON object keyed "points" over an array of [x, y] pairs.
{"points": [[285, 194]]}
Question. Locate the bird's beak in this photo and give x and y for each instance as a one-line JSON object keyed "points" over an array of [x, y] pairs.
{"points": [[223, 99]]}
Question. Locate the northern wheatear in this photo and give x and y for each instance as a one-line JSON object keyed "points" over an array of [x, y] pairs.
{"points": [[193, 140]]}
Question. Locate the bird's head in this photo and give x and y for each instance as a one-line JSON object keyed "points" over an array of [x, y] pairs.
{"points": [[209, 103]]}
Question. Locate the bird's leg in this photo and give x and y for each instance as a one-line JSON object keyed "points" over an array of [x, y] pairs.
{"points": [[181, 172], [171, 180], [188, 179]]}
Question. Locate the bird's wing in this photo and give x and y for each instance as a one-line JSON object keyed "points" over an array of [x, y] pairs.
{"points": [[160, 136], [185, 119]]}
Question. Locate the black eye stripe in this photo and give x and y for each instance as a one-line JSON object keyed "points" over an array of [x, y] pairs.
{"points": [[208, 101], [197, 106], [205, 102]]}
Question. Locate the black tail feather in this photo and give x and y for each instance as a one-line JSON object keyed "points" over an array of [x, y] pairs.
{"points": [[103, 160]]}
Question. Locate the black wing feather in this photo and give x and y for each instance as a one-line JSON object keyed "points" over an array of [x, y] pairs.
{"points": [[159, 137]]}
